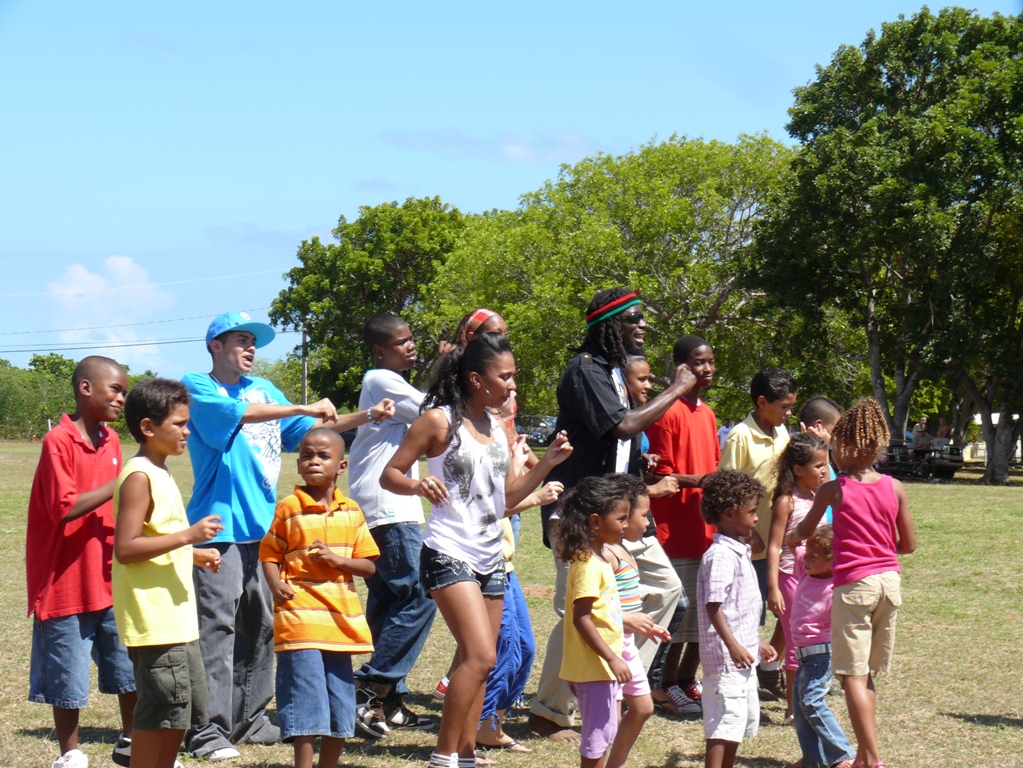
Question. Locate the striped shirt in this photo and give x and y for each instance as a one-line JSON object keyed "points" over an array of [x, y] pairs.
{"points": [[627, 581], [325, 613], [727, 577]]}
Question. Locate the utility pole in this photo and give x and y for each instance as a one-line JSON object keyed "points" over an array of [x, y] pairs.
{"points": [[305, 366]]}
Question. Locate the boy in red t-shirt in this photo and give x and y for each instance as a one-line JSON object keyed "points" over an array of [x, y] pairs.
{"points": [[68, 556], [685, 438]]}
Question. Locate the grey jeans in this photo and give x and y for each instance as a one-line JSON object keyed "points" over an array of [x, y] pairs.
{"points": [[236, 639]]}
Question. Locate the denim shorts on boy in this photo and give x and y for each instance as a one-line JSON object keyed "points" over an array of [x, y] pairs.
{"points": [[863, 624], [438, 570], [172, 689], [315, 694], [639, 685], [731, 706], [61, 648], [598, 708]]}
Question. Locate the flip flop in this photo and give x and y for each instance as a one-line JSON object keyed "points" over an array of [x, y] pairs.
{"points": [[509, 746]]}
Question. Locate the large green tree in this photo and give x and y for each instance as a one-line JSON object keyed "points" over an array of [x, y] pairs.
{"points": [[381, 262], [672, 220], [909, 156]]}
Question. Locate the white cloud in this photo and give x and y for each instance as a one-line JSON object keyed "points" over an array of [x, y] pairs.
{"points": [[543, 146], [119, 294]]}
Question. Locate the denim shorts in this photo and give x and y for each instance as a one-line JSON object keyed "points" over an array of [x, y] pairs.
{"points": [[315, 694], [172, 688], [437, 570], [61, 648]]}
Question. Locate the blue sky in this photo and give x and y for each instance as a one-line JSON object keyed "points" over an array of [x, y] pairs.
{"points": [[161, 161]]}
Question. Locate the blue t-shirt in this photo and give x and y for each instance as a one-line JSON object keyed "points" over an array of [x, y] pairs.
{"points": [[236, 465]]}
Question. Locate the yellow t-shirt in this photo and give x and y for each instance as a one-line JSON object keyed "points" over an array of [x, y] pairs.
{"points": [[154, 600], [594, 578], [751, 450]]}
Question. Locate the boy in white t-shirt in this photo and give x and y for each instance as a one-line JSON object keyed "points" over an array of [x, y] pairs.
{"points": [[398, 611]]}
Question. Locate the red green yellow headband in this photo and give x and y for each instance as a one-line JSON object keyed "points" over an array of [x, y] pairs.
{"points": [[612, 309], [477, 318]]}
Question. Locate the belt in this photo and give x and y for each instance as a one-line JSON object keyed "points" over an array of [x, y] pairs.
{"points": [[813, 650]]}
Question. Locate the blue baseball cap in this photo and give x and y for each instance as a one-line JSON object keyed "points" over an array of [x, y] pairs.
{"points": [[239, 321]]}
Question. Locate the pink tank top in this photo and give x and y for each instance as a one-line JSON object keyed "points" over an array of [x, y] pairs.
{"points": [[865, 533], [800, 507]]}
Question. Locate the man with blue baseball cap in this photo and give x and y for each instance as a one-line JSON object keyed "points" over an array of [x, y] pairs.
{"points": [[239, 426]]}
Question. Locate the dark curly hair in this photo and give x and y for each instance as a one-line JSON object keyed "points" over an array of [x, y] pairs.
{"points": [[798, 453], [728, 489], [824, 538], [152, 399], [592, 496], [605, 338], [631, 485], [452, 385]]}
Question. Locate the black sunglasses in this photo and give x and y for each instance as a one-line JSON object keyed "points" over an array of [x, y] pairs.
{"points": [[634, 319]]}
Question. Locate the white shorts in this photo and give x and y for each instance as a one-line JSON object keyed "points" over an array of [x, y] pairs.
{"points": [[638, 685], [731, 707]]}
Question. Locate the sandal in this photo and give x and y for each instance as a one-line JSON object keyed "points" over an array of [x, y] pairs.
{"points": [[510, 746]]}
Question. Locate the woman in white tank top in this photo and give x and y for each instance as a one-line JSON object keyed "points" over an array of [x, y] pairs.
{"points": [[462, 563]]}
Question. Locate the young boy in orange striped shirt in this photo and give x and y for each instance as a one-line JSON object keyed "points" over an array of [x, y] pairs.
{"points": [[317, 542]]}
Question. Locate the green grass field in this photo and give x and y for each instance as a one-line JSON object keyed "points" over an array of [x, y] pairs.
{"points": [[954, 697]]}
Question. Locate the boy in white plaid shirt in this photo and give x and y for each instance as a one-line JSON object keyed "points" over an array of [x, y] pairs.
{"points": [[728, 606]]}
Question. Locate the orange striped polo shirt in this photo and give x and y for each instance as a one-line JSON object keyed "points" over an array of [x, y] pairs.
{"points": [[325, 612]]}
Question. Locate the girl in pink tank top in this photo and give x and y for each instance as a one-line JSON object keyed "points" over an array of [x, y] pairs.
{"points": [[802, 469], [872, 526]]}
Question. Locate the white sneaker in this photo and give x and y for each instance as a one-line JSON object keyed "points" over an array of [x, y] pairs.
{"points": [[73, 758], [222, 754]]}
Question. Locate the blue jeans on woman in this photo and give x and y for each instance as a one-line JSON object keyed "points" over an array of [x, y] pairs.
{"points": [[821, 738], [398, 611]]}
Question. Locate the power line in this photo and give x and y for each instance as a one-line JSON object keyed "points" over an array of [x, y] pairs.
{"points": [[110, 345], [147, 285], [122, 325]]}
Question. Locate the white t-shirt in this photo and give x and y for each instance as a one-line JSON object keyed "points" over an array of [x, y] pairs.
{"points": [[624, 446], [723, 433], [374, 446]]}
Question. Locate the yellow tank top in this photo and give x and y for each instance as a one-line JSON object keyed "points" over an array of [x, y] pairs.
{"points": [[154, 600]]}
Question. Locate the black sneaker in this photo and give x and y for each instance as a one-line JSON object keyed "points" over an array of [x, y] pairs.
{"points": [[369, 714], [403, 717], [122, 752]]}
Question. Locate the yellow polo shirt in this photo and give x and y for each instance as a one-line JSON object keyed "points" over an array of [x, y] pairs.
{"points": [[751, 450]]}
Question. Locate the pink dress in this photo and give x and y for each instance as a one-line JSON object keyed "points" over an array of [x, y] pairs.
{"points": [[787, 578]]}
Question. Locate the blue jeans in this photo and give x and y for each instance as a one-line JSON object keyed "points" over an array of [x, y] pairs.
{"points": [[516, 649], [821, 738], [397, 609], [236, 635], [315, 694]]}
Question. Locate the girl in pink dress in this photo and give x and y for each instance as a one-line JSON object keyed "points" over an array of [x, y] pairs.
{"points": [[802, 469]]}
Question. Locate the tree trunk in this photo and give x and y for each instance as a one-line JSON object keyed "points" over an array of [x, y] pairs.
{"points": [[876, 369], [1000, 449]]}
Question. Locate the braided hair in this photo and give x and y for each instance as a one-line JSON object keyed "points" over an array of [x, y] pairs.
{"points": [[862, 432], [606, 337]]}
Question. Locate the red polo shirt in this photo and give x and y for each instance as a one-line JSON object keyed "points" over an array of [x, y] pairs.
{"points": [[686, 439], [68, 566]]}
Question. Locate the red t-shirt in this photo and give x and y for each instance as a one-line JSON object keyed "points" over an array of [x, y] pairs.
{"points": [[686, 439], [68, 566]]}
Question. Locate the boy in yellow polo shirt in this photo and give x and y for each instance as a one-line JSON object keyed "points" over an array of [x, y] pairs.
{"points": [[317, 542], [753, 447]]}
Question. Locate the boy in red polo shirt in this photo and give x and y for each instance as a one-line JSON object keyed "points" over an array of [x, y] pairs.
{"points": [[685, 438], [68, 556]]}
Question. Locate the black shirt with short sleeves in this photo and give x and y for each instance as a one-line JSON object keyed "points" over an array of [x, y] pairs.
{"points": [[589, 407]]}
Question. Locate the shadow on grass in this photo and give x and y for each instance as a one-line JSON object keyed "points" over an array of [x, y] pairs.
{"points": [[675, 759], [988, 721], [85, 735]]}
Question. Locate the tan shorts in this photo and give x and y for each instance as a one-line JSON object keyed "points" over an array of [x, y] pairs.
{"points": [[687, 569], [731, 705], [863, 624]]}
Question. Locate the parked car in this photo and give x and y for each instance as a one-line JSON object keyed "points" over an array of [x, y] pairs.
{"points": [[539, 430], [348, 436], [901, 460]]}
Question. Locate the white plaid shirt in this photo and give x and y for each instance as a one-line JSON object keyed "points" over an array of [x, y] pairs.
{"points": [[727, 577]]}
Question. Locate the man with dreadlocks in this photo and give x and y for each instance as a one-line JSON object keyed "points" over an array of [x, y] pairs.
{"points": [[597, 412]]}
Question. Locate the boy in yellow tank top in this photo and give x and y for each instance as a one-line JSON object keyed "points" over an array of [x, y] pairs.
{"points": [[154, 600]]}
